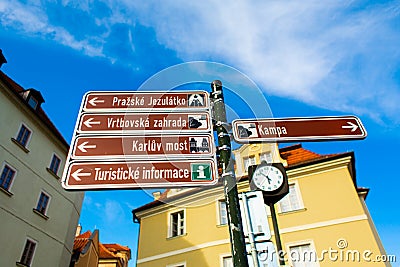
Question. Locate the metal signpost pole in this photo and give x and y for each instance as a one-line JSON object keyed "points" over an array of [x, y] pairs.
{"points": [[238, 244], [277, 235]]}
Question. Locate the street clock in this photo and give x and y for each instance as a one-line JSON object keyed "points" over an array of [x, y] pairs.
{"points": [[271, 179]]}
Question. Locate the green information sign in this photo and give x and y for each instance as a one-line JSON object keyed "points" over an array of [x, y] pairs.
{"points": [[201, 171]]}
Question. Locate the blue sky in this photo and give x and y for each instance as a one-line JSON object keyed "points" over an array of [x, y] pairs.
{"points": [[309, 58]]}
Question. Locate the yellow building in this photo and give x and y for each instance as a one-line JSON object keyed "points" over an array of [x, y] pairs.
{"points": [[323, 220]]}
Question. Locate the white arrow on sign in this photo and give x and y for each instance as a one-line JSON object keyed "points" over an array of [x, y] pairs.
{"points": [[95, 100], [76, 175], [90, 122], [82, 147], [351, 126]]}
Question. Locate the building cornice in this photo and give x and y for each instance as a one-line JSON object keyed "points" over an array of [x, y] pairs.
{"points": [[193, 197], [295, 171]]}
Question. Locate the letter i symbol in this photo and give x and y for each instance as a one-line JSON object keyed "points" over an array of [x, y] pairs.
{"points": [[201, 171]]}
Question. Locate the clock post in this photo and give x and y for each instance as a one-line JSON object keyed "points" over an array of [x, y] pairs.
{"points": [[277, 234], [272, 179]]}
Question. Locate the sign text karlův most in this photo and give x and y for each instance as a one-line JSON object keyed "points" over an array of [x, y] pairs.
{"points": [[142, 140]]}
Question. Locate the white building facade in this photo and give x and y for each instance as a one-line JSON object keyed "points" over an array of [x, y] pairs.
{"points": [[38, 217]]}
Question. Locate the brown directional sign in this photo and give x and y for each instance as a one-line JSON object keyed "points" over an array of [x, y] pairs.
{"points": [[138, 100], [142, 140], [298, 129], [139, 174], [89, 147], [139, 122]]}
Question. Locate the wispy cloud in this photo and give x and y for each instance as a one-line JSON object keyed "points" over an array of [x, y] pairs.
{"points": [[113, 211], [32, 19], [337, 55]]}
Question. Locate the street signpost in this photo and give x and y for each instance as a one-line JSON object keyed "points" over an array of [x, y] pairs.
{"points": [[139, 174], [137, 123], [137, 140], [298, 129], [131, 147], [133, 140], [145, 101]]}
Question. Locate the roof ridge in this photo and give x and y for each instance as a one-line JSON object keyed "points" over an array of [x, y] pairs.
{"points": [[16, 89], [291, 147], [104, 252]]}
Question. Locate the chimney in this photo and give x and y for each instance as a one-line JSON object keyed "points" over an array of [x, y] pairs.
{"points": [[78, 230], [2, 58], [156, 195]]}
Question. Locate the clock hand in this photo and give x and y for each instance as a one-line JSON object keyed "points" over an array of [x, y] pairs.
{"points": [[268, 179], [267, 176]]}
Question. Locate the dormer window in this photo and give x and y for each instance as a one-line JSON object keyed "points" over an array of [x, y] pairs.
{"points": [[33, 97], [32, 102]]}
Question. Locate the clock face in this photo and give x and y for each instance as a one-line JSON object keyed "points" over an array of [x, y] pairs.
{"points": [[268, 178]]}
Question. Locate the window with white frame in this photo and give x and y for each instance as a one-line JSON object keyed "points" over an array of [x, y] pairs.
{"points": [[249, 161], [28, 252], [303, 255], [43, 203], [6, 177], [267, 157], [222, 212], [23, 135], [177, 223], [227, 261], [55, 164], [292, 201]]}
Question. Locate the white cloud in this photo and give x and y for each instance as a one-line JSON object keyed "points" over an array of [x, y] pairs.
{"points": [[113, 211], [306, 50], [340, 55], [32, 19]]}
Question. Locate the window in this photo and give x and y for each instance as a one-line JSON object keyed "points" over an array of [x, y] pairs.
{"points": [[23, 135], [248, 162], [7, 176], [303, 255], [27, 254], [291, 201], [227, 261], [223, 213], [43, 203], [267, 157], [55, 164], [33, 102], [177, 223]]}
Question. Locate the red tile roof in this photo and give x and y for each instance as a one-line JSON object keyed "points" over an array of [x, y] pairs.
{"points": [[116, 247], [106, 251], [296, 154], [81, 241]]}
